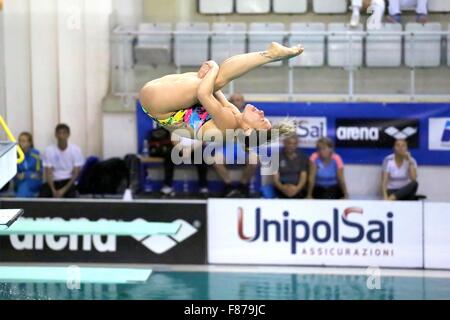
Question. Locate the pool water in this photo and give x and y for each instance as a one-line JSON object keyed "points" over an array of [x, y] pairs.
{"points": [[239, 286]]}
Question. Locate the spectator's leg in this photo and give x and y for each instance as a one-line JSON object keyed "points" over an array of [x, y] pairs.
{"points": [[279, 194], [72, 193], [408, 192], [356, 12], [422, 11], [422, 7], [378, 7], [394, 11], [202, 170], [222, 171], [34, 186], [45, 191], [248, 173], [169, 168], [23, 189], [333, 192]]}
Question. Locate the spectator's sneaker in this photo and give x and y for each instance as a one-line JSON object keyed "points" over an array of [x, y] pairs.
{"points": [[167, 191], [374, 22], [235, 193], [354, 21], [394, 19], [422, 18]]}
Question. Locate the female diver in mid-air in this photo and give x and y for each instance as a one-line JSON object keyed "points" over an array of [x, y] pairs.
{"points": [[193, 100]]}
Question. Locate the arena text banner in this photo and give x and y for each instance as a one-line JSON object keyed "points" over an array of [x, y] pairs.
{"points": [[330, 233], [188, 246]]}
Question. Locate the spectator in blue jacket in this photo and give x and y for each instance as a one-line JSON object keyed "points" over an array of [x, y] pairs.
{"points": [[29, 173]]}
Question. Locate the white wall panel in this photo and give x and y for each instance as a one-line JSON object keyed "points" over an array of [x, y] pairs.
{"points": [[44, 70], [97, 68], [72, 86], [17, 65]]}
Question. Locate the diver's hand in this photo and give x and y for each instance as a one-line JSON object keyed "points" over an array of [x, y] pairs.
{"points": [[206, 67]]}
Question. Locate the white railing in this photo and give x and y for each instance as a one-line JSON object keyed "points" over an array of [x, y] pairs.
{"points": [[123, 39]]}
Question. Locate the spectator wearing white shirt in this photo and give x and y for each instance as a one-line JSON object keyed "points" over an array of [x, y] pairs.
{"points": [[62, 163], [396, 6], [399, 180]]}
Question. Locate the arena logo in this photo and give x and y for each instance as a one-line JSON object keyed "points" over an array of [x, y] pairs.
{"points": [[376, 133], [358, 133], [102, 244], [340, 230]]}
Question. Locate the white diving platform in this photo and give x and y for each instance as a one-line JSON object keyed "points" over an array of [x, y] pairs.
{"points": [[85, 227], [73, 275], [8, 162]]}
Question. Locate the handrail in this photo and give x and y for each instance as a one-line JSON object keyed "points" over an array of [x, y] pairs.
{"points": [[12, 139], [120, 31]]}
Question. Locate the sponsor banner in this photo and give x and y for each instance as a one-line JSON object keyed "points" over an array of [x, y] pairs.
{"points": [[368, 132], [376, 133], [188, 246], [330, 233], [373, 128], [309, 129], [439, 136], [437, 235]]}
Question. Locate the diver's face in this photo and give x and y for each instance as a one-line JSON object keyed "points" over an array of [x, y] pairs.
{"points": [[255, 118]]}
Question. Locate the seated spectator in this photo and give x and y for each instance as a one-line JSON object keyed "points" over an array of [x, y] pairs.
{"points": [[28, 180], [291, 178], [62, 164], [396, 6], [188, 150], [399, 180], [326, 177], [235, 154], [375, 7]]}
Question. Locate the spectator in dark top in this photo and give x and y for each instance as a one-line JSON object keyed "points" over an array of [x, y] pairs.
{"points": [[291, 179], [188, 149], [29, 173], [399, 180], [326, 178], [62, 163]]}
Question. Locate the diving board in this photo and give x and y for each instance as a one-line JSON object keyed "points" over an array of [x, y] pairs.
{"points": [[8, 162], [85, 227], [72, 274], [8, 217]]}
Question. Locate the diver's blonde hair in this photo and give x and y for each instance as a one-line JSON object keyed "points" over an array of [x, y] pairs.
{"points": [[280, 130]]}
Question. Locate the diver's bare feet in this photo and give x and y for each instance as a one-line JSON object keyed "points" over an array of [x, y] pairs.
{"points": [[277, 52]]}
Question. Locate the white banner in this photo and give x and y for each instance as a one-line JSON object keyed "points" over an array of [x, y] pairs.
{"points": [[308, 232], [439, 134], [437, 235], [309, 129]]}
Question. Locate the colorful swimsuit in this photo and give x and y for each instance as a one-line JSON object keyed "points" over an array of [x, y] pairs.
{"points": [[195, 117]]}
